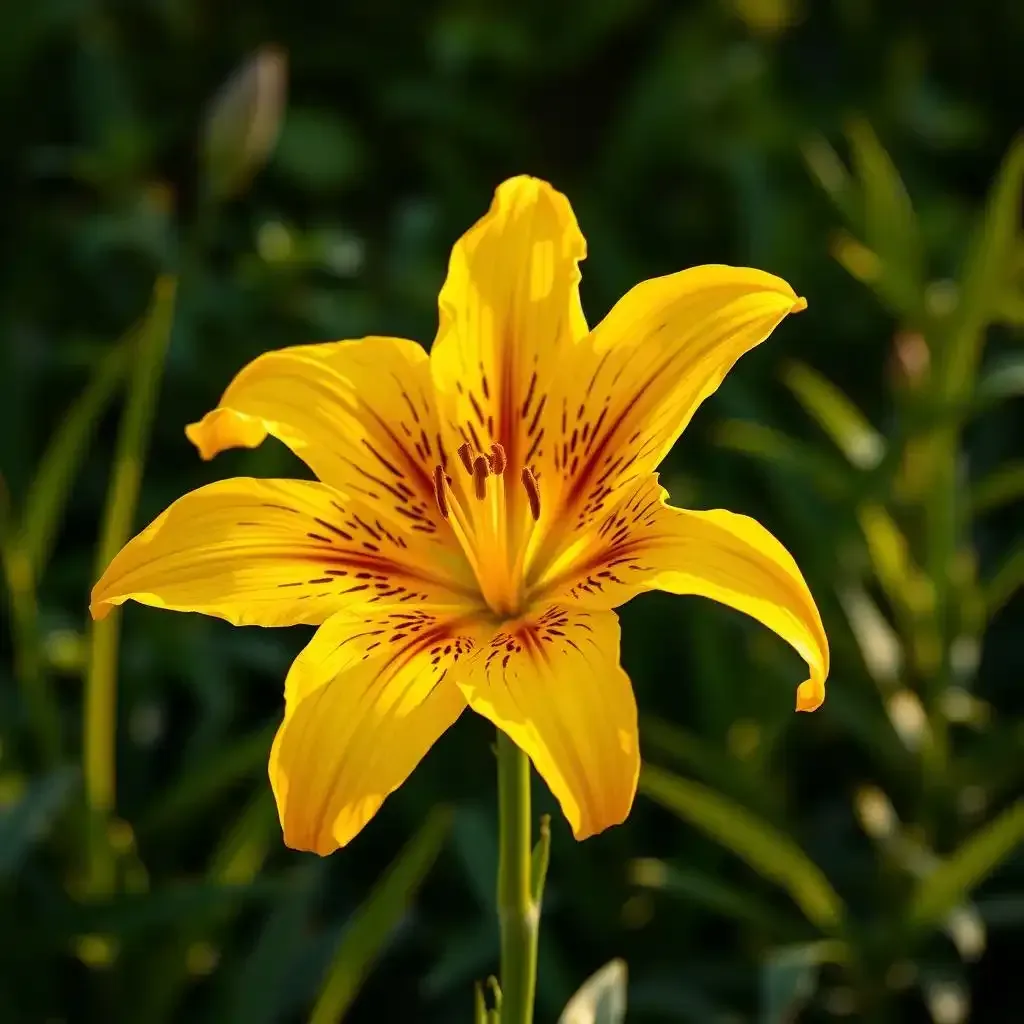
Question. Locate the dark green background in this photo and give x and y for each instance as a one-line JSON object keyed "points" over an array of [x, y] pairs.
{"points": [[676, 129]]}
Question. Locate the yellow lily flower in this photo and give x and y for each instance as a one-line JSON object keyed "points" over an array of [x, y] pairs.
{"points": [[478, 513]]}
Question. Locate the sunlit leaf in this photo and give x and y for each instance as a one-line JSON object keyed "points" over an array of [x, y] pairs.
{"points": [[601, 999], [903, 582], [890, 224], [956, 877], [878, 642], [1004, 379], [831, 174], [366, 936], [844, 423], [767, 850], [984, 276]]}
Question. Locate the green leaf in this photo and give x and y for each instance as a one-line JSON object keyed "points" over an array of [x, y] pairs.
{"points": [[832, 176], [208, 780], [601, 999], [767, 850], [955, 878], [831, 477], [701, 757], [132, 915], [845, 424], [707, 891], [789, 978], [904, 583], [30, 818], [99, 744], [1004, 582], [1001, 487], [277, 974], [245, 845], [890, 224], [372, 924], [48, 492], [984, 277]]}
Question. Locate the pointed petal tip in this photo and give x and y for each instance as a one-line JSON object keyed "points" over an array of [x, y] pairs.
{"points": [[810, 695], [799, 305]]}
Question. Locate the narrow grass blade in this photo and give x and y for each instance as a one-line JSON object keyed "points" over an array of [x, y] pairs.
{"points": [[366, 936], [985, 274], [953, 881], [845, 424], [48, 492], [767, 850], [98, 743]]}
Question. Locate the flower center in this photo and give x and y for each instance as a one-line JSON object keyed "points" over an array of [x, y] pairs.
{"points": [[492, 531]]}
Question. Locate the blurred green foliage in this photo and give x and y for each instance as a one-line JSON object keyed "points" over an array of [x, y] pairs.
{"points": [[864, 862]]}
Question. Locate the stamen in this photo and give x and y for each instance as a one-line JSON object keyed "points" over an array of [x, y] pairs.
{"points": [[480, 471], [439, 492], [497, 460], [465, 452], [532, 492]]}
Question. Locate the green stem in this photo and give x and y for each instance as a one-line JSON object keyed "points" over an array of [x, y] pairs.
{"points": [[518, 911], [99, 719]]}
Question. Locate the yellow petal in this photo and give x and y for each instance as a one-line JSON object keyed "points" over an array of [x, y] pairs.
{"points": [[364, 702], [359, 413], [644, 544], [639, 377], [552, 682], [269, 553], [509, 311]]}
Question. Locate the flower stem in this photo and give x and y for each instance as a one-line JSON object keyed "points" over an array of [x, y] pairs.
{"points": [[518, 911]]}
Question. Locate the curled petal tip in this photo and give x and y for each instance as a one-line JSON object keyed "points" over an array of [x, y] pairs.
{"points": [[810, 695], [799, 305], [224, 428]]}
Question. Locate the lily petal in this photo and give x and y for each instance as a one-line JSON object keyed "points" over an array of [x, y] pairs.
{"points": [[509, 311], [269, 553], [552, 682], [364, 702], [645, 544], [359, 413], [639, 377]]}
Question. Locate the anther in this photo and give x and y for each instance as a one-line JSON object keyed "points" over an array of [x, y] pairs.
{"points": [[465, 453], [496, 460], [480, 471], [532, 492], [439, 492]]}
